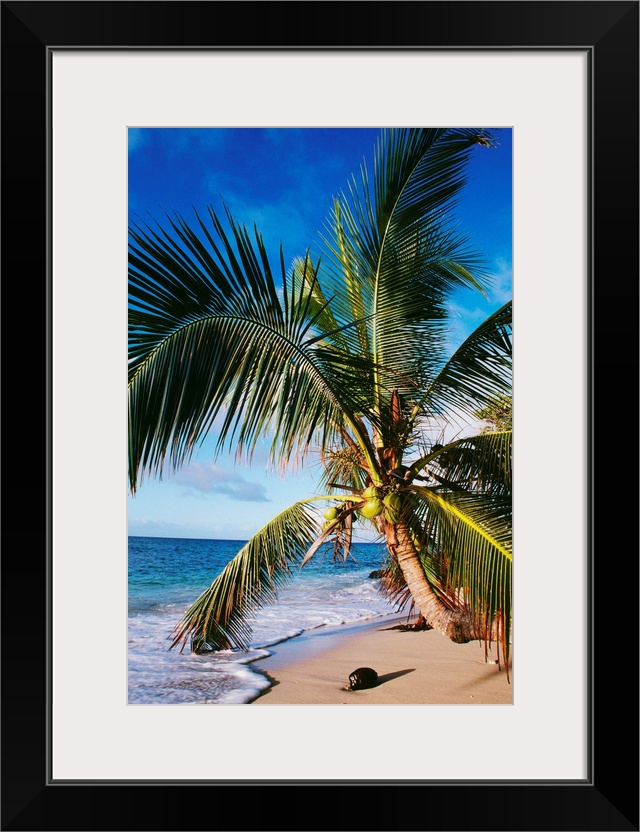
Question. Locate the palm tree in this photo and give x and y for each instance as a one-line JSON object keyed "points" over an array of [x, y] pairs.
{"points": [[345, 355]]}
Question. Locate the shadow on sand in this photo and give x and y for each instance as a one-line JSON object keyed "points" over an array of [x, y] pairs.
{"points": [[387, 677]]}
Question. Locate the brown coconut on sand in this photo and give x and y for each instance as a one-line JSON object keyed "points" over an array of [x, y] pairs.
{"points": [[413, 667]]}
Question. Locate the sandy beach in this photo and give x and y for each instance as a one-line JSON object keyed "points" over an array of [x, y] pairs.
{"points": [[413, 667]]}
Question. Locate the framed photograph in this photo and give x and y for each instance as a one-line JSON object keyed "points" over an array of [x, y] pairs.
{"points": [[562, 79]]}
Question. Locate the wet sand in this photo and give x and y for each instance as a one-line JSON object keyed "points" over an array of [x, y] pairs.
{"points": [[413, 667]]}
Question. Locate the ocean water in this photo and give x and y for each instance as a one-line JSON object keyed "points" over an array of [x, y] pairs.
{"points": [[167, 574]]}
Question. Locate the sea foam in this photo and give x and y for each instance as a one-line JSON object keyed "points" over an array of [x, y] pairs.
{"points": [[165, 577]]}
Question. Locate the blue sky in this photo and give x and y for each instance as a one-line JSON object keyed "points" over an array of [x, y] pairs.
{"points": [[283, 180]]}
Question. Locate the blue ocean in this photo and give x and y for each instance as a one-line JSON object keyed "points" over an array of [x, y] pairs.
{"points": [[167, 574]]}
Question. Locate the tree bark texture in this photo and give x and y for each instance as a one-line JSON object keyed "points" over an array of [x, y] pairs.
{"points": [[455, 624]]}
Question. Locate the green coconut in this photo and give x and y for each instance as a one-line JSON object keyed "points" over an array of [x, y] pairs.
{"points": [[393, 501], [370, 492], [372, 508], [331, 513]]}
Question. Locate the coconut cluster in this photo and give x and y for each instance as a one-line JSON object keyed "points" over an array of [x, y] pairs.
{"points": [[375, 503]]}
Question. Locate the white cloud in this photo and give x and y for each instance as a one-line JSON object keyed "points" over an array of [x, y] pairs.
{"points": [[502, 289], [468, 309], [212, 479]]}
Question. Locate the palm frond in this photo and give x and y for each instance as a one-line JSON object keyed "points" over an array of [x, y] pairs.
{"points": [[478, 464], [209, 334], [392, 239], [303, 279], [471, 535], [218, 618], [479, 370]]}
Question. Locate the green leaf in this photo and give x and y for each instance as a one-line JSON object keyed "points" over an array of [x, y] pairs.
{"points": [[470, 534], [479, 370], [209, 336], [217, 620]]}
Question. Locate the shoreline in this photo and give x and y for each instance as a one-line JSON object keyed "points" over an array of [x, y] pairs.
{"points": [[413, 667]]}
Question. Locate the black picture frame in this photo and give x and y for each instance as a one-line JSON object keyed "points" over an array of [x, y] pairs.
{"points": [[608, 798]]}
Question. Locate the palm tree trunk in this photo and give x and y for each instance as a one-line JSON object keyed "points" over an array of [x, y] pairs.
{"points": [[455, 624]]}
